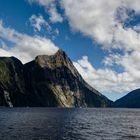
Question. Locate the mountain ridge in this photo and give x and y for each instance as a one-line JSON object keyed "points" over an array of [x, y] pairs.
{"points": [[50, 81], [130, 100]]}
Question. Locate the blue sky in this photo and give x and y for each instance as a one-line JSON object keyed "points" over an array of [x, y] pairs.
{"points": [[101, 38], [75, 44]]}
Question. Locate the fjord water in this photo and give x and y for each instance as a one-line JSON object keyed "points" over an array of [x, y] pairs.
{"points": [[69, 124]]}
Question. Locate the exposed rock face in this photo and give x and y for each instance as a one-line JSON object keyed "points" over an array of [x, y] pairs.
{"points": [[131, 100], [50, 81]]}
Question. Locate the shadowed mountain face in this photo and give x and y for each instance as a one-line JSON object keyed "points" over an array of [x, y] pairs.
{"points": [[12, 83], [50, 81], [131, 100]]}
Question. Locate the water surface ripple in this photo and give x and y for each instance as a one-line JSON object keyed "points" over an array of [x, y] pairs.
{"points": [[69, 124]]}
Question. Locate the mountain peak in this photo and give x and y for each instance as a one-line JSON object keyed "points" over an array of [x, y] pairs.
{"points": [[50, 81], [58, 60], [60, 52], [52, 61]]}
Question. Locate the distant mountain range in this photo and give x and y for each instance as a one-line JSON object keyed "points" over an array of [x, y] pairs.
{"points": [[47, 81], [131, 100]]}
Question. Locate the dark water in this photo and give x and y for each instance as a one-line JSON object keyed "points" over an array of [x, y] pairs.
{"points": [[69, 124]]}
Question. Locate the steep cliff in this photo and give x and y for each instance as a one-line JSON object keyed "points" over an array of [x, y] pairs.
{"points": [[12, 84], [50, 81], [54, 81]]}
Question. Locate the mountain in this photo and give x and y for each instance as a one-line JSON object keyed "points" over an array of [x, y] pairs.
{"points": [[49, 81], [131, 100]]}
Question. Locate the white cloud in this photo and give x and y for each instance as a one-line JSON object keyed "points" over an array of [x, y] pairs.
{"points": [[102, 20], [50, 7], [56, 31], [93, 18], [38, 22], [25, 47], [137, 28], [41, 2], [54, 15], [106, 80]]}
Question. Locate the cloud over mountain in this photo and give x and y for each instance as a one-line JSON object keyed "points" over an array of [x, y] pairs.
{"points": [[24, 47], [105, 22]]}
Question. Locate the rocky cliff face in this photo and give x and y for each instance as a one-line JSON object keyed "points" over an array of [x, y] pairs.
{"points": [[50, 81], [131, 100], [12, 83]]}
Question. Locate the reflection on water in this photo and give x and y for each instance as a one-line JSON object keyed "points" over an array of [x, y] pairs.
{"points": [[69, 124]]}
